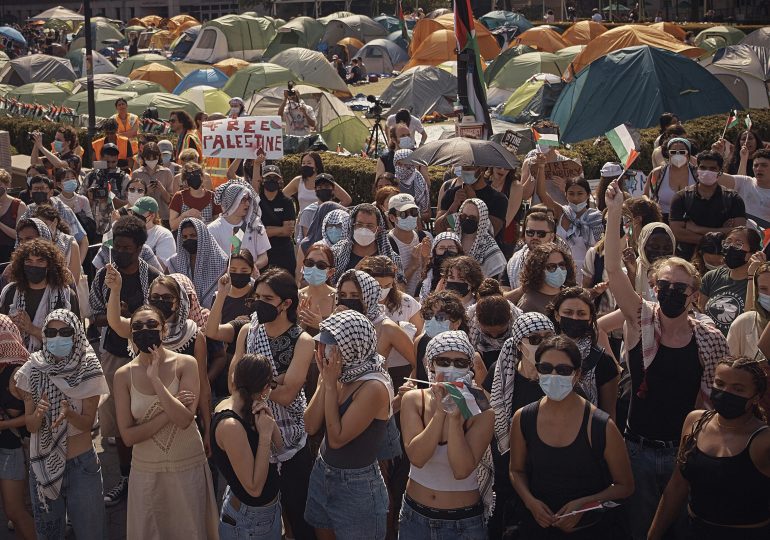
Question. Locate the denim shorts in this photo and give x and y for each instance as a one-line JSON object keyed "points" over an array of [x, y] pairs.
{"points": [[352, 502], [391, 443], [12, 465], [255, 522], [412, 525]]}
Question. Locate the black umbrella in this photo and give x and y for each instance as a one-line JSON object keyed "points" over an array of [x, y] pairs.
{"points": [[464, 152]]}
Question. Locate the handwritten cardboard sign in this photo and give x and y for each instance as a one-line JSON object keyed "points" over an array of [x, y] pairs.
{"points": [[511, 140], [243, 137], [563, 169]]}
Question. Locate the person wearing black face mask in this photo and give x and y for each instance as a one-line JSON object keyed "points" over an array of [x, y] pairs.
{"points": [[193, 200], [445, 246], [304, 186], [724, 461], [278, 217]]}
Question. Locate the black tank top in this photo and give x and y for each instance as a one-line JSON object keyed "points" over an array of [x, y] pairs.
{"points": [[727, 490]]}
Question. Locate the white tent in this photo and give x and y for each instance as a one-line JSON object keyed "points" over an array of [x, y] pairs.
{"points": [[745, 72], [101, 64]]}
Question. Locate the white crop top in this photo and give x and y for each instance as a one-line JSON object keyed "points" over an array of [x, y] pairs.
{"points": [[437, 474]]}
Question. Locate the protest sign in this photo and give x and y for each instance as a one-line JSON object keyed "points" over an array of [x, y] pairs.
{"points": [[563, 169], [242, 137], [511, 140]]}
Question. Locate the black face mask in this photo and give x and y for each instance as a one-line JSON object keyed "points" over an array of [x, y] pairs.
{"points": [[438, 260], [240, 280], [574, 328], [324, 194], [734, 257], [265, 312], [35, 274], [39, 197], [122, 259], [352, 303], [190, 245], [194, 181], [460, 287], [166, 307], [307, 171], [469, 226], [146, 339], [728, 404], [672, 302], [271, 185]]}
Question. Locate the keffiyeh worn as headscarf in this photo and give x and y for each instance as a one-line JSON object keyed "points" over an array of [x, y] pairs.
{"points": [[196, 313], [181, 328], [344, 247], [335, 217], [12, 349], [427, 284], [42, 230], [457, 341], [357, 341], [410, 180], [484, 249], [370, 294], [641, 283], [210, 261], [317, 230], [77, 377], [502, 384], [484, 342], [229, 196]]}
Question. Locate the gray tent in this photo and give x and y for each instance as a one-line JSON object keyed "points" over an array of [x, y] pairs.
{"points": [[360, 27], [758, 38], [37, 68], [745, 72], [104, 80], [422, 89], [382, 56]]}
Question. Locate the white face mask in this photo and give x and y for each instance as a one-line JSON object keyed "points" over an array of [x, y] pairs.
{"points": [[406, 142], [384, 292], [151, 163], [556, 387], [133, 197], [678, 160], [451, 374], [578, 207], [528, 352], [363, 237]]}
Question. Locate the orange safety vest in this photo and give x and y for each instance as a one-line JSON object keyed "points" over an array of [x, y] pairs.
{"points": [[217, 169], [131, 119], [122, 147], [191, 136]]}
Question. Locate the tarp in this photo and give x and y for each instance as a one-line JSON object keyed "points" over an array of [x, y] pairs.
{"points": [[311, 67], [208, 99], [231, 65], [758, 38], [497, 19], [303, 32], [724, 35], [58, 13], [165, 103], [672, 29], [422, 90], [488, 46], [382, 56], [100, 63], [133, 62], [534, 100], [182, 45], [208, 76], [141, 87], [360, 27], [582, 32], [236, 36], [745, 71], [542, 39], [40, 92], [37, 68], [164, 76], [100, 31], [327, 107], [629, 36], [348, 131], [104, 99], [636, 85], [244, 82], [104, 80]]}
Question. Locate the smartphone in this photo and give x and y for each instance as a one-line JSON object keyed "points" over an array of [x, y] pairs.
{"points": [[100, 164]]}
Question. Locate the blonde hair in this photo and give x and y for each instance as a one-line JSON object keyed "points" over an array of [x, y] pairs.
{"points": [[188, 155], [678, 262], [5, 177]]}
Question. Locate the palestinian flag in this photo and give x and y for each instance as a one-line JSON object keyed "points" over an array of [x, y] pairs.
{"points": [[235, 242], [470, 401], [545, 139], [748, 122], [471, 91], [401, 20], [107, 239], [732, 120], [624, 141]]}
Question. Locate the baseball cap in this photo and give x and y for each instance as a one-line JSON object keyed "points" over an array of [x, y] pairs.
{"points": [[401, 202], [144, 205], [271, 170], [110, 146], [611, 169], [166, 147]]}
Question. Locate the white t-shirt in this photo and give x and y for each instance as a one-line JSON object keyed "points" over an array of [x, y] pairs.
{"points": [[756, 199], [222, 231], [415, 126], [405, 252], [161, 241], [78, 203], [295, 121]]}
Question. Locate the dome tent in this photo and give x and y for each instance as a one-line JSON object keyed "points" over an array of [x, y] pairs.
{"points": [[382, 56], [164, 102], [207, 76], [164, 76], [100, 31], [348, 131], [488, 46], [313, 68], [303, 32], [582, 32], [104, 80], [542, 39], [103, 99], [326, 106], [422, 90], [758, 38], [182, 45], [133, 62], [521, 68], [42, 93], [141, 87], [208, 99], [398, 39], [36, 68], [439, 47], [534, 100], [232, 36], [745, 71], [255, 77], [724, 35], [101, 64], [360, 27], [499, 19]]}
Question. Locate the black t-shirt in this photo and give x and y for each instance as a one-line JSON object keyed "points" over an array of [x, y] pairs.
{"points": [[497, 203], [387, 160], [33, 298], [274, 214], [9, 439], [131, 293]]}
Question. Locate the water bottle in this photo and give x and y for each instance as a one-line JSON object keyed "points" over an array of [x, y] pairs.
{"points": [[448, 404]]}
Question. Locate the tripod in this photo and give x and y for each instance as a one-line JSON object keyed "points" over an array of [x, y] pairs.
{"points": [[375, 133]]}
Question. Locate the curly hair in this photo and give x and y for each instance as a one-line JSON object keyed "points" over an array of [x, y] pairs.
{"points": [[450, 304], [467, 268], [381, 266], [578, 293], [58, 275], [49, 213], [533, 273], [493, 310]]}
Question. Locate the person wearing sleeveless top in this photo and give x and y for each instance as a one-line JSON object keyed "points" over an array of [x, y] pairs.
{"points": [[243, 429], [723, 472], [11, 209], [566, 453], [303, 186], [156, 395], [443, 498], [665, 181], [347, 496]]}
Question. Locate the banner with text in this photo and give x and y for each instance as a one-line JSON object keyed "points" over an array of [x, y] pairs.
{"points": [[243, 137]]}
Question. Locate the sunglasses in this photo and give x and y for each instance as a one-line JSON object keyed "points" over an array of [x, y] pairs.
{"points": [[537, 339], [382, 274], [447, 251], [163, 297], [678, 152], [310, 263], [664, 285], [736, 244], [440, 316], [67, 331], [532, 232], [551, 267], [443, 361], [412, 212], [150, 324], [544, 368]]}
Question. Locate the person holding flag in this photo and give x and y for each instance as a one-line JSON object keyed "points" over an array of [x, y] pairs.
{"points": [[545, 135]]}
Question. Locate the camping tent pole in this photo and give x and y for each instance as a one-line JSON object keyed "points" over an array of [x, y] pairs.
{"points": [[89, 79]]}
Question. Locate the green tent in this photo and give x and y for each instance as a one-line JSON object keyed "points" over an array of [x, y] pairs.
{"points": [[141, 87], [255, 77], [723, 35], [104, 99], [497, 19], [520, 68], [138, 60], [313, 68], [569, 53], [42, 93], [303, 32], [232, 36], [5, 88], [503, 58], [165, 103], [100, 31], [534, 100], [349, 131]]}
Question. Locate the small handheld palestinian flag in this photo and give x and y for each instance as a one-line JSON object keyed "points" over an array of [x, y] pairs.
{"points": [[748, 122], [235, 241], [471, 401], [624, 141], [545, 139], [732, 121], [107, 242]]}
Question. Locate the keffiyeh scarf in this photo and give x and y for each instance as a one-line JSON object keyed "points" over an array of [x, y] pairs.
{"points": [[77, 377], [42, 230], [210, 261], [53, 298], [484, 249], [587, 227], [182, 328], [229, 196], [357, 341], [12, 349], [290, 419], [410, 180], [316, 232], [335, 217], [482, 341], [505, 371], [641, 283], [370, 294], [457, 341], [427, 283]]}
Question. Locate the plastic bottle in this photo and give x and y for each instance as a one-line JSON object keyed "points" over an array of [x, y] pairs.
{"points": [[448, 404]]}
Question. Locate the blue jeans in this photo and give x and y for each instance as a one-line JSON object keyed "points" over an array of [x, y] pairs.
{"points": [[414, 526], [81, 498], [352, 502], [652, 468], [255, 522]]}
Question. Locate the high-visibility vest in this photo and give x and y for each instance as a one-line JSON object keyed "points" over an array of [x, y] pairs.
{"points": [[190, 140], [131, 119], [122, 147], [217, 169]]}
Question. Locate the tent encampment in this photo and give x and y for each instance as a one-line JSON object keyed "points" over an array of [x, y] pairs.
{"points": [[157, 73], [164, 102], [391, 24], [502, 59], [104, 100], [36, 68], [313, 68], [361, 27], [39, 92], [100, 31], [350, 132], [326, 106], [303, 32], [488, 46], [182, 45], [208, 76], [758, 38], [231, 65], [253, 78], [141, 87], [582, 32], [232, 36], [518, 69], [208, 99], [498, 19], [439, 47], [542, 39], [382, 56], [533, 100], [422, 90], [745, 71], [100, 63], [398, 39], [133, 62], [349, 45], [723, 35], [104, 80], [636, 85]]}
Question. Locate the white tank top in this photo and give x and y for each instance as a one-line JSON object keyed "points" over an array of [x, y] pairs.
{"points": [[305, 196], [437, 474], [666, 194]]}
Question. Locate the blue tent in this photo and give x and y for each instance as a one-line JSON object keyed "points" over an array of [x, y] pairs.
{"points": [[636, 85], [399, 40], [392, 24], [206, 76]]}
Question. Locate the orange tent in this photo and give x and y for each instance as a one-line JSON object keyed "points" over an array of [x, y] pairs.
{"points": [[184, 18], [424, 28], [542, 39], [161, 40], [157, 73], [437, 48], [670, 28], [351, 44], [135, 22], [628, 36], [231, 65], [582, 32], [154, 20], [184, 26]]}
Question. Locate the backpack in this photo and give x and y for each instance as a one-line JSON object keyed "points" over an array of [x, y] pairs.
{"points": [[655, 182], [689, 201]]}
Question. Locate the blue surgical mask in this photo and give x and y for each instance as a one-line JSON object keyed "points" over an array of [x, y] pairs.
{"points": [[334, 234], [58, 146], [469, 177], [314, 276], [166, 159], [59, 346], [556, 387], [434, 327], [69, 186], [406, 142], [408, 223], [764, 301], [458, 171], [579, 206], [556, 278]]}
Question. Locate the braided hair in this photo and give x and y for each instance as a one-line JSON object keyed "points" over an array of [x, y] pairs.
{"points": [[252, 374]]}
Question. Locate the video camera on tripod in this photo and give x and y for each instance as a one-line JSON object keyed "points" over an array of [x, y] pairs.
{"points": [[375, 110]]}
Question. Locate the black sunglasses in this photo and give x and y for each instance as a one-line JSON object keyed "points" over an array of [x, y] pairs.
{"points": [[151, 324], [531, 233], [443, 361], [164, 297], [412, 212], [440, 316], [67, 331], [544, 368], [551, 267], [664, 285], [536, 339], [310, 263]]}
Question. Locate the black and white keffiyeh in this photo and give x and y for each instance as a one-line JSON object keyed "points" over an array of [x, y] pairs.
{"points": [[229, 196], [484, 342], [77, 377], [210, 261], [357, 341], [335, 217], [411, 180], [427, 283], [53, 298], [344, 247], [289, 419], [505, 371], [587, 228], [42, 230], [484, 249], [370, 294]]}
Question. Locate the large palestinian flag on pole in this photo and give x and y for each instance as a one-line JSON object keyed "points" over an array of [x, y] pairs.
{"points": [[471, 91]]}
